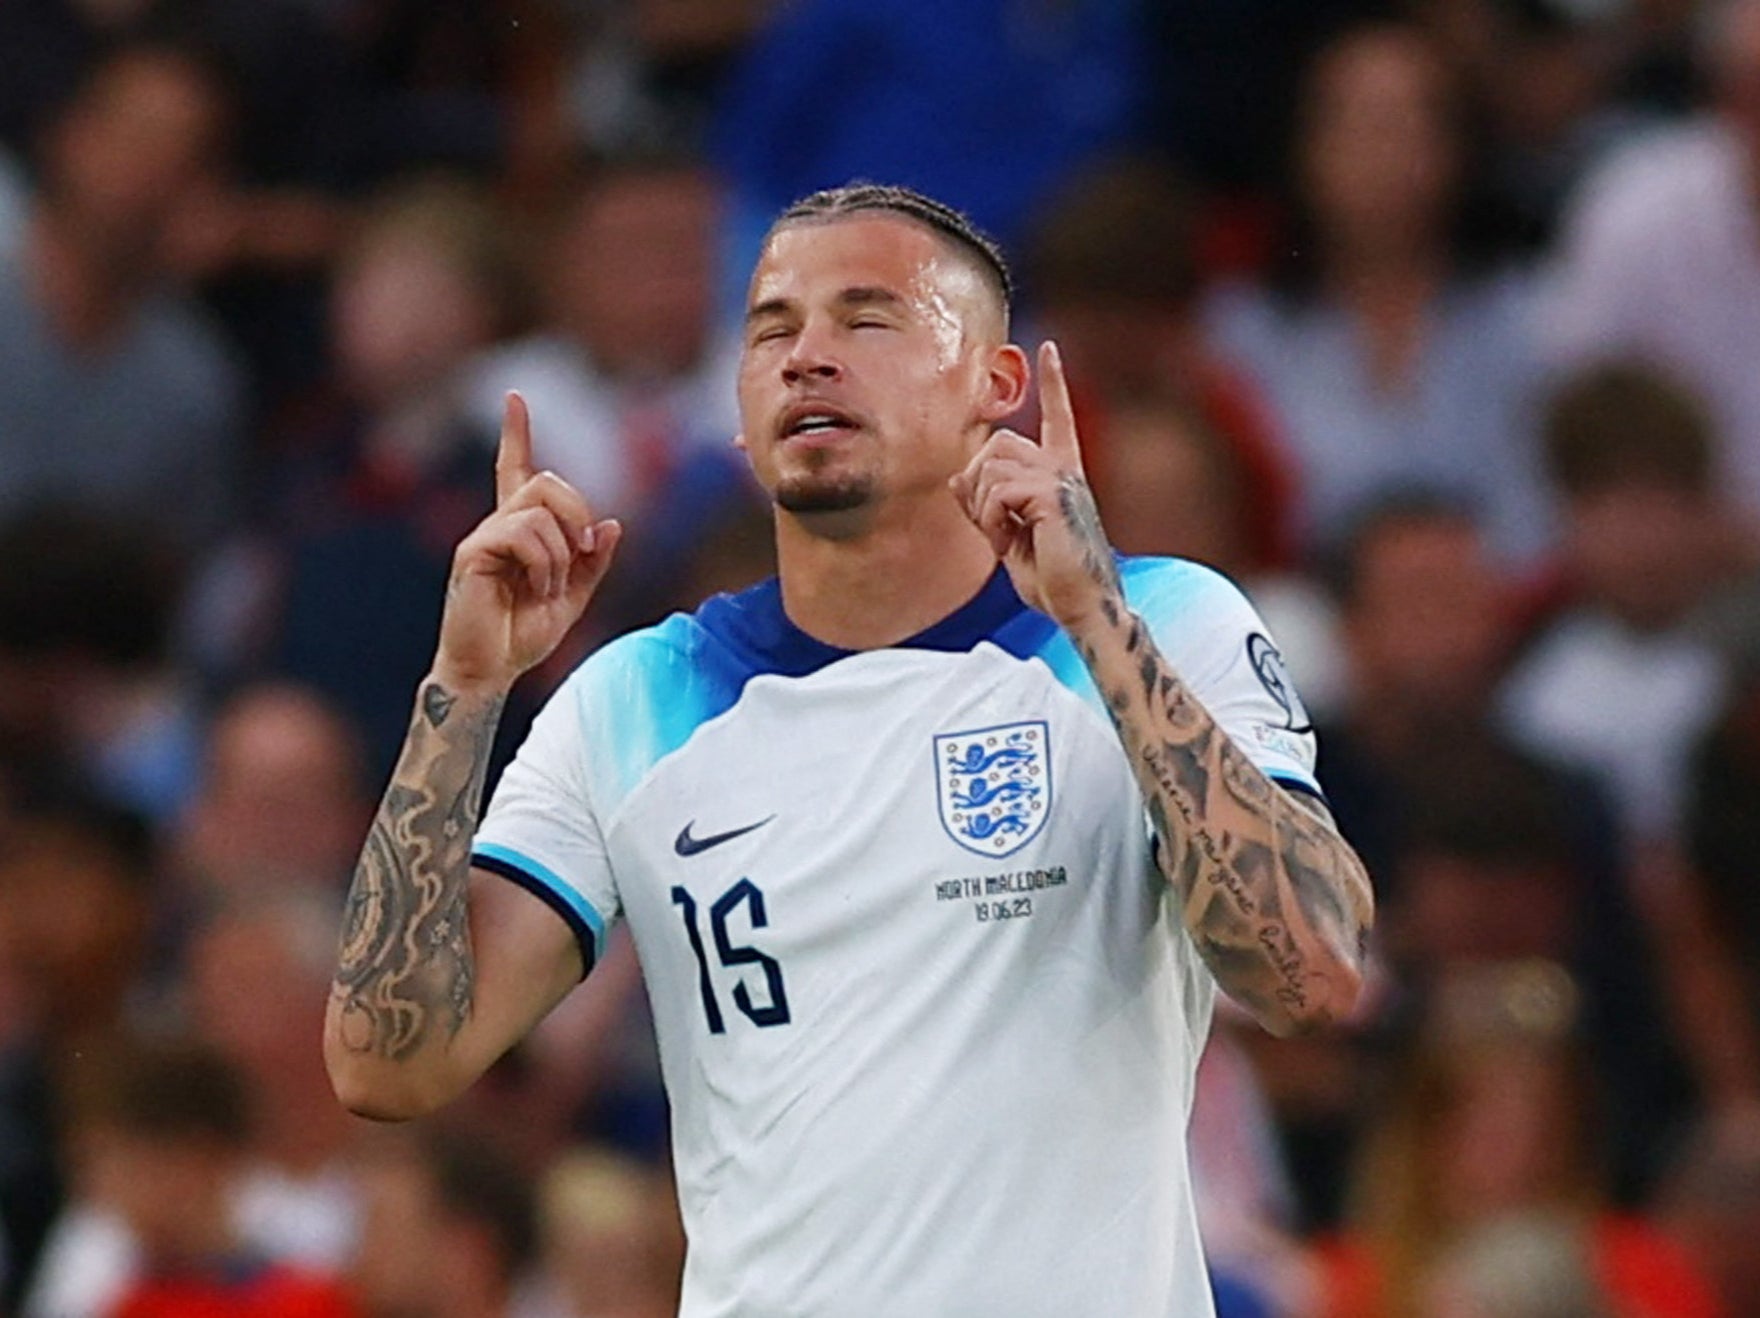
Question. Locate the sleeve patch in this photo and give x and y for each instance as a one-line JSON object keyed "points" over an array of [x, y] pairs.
{"points": [[1269, 668]]}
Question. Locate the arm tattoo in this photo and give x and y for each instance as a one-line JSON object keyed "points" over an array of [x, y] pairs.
{"points": [[405, 974], [1076, 501], [1277, 903]]}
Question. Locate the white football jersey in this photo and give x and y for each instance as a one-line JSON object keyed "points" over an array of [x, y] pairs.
{"points": [[927, 1016]]}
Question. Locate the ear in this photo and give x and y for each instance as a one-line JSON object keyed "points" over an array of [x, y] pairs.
{"points": [[1007, 377]]}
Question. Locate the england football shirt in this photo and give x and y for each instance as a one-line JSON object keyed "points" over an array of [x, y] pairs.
{"points": [[928, 1018]]}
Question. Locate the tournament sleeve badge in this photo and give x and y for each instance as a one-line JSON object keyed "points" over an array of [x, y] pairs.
{"points": [[993, 785], [1273, 675]]}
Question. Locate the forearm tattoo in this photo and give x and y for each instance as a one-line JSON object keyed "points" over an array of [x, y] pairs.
{"points": [[1276, 901], [1076, 501], [405, 974]]}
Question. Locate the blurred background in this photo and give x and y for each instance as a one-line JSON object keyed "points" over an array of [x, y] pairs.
{"points": [[1436, 325]]}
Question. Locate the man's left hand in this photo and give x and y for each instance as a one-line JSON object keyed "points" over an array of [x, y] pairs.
{"points": [[1033, 503]]}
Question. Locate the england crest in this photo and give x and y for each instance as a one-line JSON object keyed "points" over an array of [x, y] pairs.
{"points": [[994, 785]]}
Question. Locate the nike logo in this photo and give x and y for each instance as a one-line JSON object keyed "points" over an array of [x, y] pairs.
{"points": [[686, 845]]}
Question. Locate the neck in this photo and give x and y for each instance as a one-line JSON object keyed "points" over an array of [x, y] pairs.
{"points": [[299, 1133], [84, 296], [885, 582], [1375, 269], [1388, 291], [200, 1237]]}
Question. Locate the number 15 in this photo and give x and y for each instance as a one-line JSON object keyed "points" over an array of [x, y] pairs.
{"points": [[773, 1012]]}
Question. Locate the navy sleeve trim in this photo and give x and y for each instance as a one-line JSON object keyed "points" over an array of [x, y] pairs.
{"points": [[1297, 785], [583, 932]]}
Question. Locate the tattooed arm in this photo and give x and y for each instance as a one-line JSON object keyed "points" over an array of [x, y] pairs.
{"points": [[422, 1003], [440, 971], [1276, 901]]}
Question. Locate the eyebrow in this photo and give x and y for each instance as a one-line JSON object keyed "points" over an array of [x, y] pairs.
{"points": [[862, 295]]}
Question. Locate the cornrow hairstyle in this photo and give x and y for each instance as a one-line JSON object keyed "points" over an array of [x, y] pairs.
{"points": [[953, 225]]}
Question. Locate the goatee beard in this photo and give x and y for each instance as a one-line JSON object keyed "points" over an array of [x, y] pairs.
{"points": [[809, 494]]}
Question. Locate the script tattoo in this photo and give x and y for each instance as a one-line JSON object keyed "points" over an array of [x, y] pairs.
{"points": [[405, 973], [1275, 899]]}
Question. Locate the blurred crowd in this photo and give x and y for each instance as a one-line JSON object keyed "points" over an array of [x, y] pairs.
{"points": [[1436, 325]]}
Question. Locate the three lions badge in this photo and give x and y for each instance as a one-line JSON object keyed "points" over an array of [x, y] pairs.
{"points": [[994, 785]]}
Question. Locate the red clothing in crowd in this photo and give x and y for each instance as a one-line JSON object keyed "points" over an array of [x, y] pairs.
{"points": [[265, 1291], [1641, 1272]]}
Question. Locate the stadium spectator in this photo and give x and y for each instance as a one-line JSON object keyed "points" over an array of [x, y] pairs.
{"points": [[1620, 683], [164, 1130], [76, 906], [1525, 1265], [282, 801], [450, 1228], [610, 1237], [1111, 272], [295, 1199], [1711, 1203], [88, 683], [377, 477], [1660, 258], [1625, 681], [1391, 354], [1168, 482], [1494, 1116], [1484, 871], [629, 372], [1428, 624], [113, 389], [1428, 620], [288, 1199], [1548, 81]]}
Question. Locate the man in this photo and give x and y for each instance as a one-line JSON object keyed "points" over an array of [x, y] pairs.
{"points": [[450, 1226], [114, 389], [76, 907], [1659, 256], [166, 1128], [927, 1016], [629, 360]]}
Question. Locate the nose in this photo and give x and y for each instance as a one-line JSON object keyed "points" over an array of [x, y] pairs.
{"points": [[810, 357]]}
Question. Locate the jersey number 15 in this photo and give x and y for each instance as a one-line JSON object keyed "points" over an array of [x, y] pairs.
{"points": [[773, 1012]]}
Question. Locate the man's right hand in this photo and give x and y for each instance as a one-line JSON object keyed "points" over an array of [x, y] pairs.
{"points": [[523, 577]]}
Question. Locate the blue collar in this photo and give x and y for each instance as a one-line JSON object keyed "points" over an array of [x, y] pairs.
{"points": [[754, 624]]}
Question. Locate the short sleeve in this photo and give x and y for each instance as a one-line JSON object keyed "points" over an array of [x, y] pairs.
{"points": [[1214, 639], [542, 832]]}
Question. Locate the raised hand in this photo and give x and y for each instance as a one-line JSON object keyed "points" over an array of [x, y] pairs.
{"points": [[1033, 503], [523, 577]]}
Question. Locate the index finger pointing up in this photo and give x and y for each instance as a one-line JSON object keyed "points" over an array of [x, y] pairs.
{"points": [[513, 458], [1057, 419]]}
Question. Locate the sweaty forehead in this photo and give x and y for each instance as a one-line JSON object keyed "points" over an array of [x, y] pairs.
{"points": [[813, 259]]}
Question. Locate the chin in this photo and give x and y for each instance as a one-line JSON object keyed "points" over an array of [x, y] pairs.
{"points": [[821, 494]]}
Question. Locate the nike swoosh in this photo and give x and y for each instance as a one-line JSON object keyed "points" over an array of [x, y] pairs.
{"points": [[686, 845]]}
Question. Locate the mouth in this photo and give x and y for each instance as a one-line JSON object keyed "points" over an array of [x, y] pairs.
{"points": [[815, 420]]}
